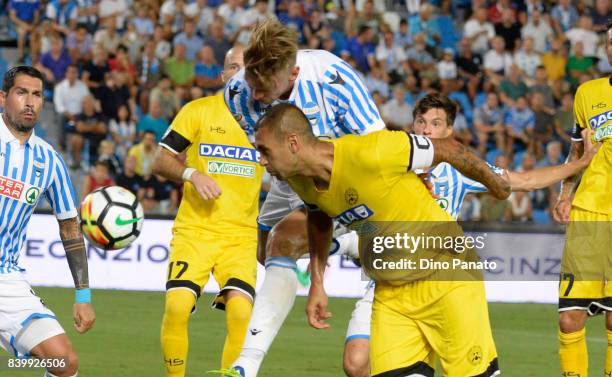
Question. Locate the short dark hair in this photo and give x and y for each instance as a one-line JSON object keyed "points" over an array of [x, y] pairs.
{"points": [[436, 101], [11, 75], [285, 118]]}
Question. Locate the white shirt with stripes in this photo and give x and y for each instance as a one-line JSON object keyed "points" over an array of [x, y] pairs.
{"points": [[26, 172], [327, 90]]}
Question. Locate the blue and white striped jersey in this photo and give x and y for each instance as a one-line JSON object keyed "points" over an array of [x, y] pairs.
{"points": [[26, 172], [327, 90], [451, 186]]}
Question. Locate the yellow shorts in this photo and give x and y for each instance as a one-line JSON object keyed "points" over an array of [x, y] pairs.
{"points": [[586, 265], [415, 322], [231, 259]]}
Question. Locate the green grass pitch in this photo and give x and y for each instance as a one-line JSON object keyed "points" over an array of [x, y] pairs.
{"points": [[125, 339]]}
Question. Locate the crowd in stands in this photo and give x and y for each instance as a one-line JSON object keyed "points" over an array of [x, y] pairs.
{"points": [[119, 70]]}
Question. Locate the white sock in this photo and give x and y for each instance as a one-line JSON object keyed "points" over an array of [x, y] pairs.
{"points": [[346, 244], [272, 305]]}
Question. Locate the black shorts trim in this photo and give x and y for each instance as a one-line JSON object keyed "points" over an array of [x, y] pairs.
{"points": [[233, 284], [196, 289], [416, 368], [492, 370], [592, 306]]}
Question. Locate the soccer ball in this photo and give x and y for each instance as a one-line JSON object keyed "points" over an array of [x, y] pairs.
{"points": [[111, 217]]}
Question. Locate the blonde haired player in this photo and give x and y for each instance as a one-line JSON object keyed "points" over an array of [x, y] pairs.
{"points": [[215, 228], [586, 265], [368, 183], [336, 103]]}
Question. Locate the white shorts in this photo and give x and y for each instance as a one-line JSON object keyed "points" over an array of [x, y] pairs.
{"points": [[359, 325], [280, 201], [25, 321]]}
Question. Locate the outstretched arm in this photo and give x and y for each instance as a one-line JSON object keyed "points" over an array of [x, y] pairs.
{"points": [[544, 177], [76, 255], [320, 230], [470, 165]]}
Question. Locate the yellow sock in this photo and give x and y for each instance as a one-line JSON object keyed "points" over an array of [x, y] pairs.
{"points": [[608, 372], [237, 315], [573, 353], [174, 337]]}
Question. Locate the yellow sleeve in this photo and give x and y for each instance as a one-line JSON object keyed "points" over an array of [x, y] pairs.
{"points": [[579, 110], [393, 152], [187, 122]]}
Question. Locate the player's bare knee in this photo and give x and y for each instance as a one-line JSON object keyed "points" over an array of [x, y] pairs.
{"points": [[572, 320], [283, 241], [356, 361]]}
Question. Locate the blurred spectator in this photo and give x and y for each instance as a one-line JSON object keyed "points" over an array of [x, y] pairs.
{"points": [[512, 87], [497, 61], [391, 58], [527, 59], [123, 131], [163, 48], [554, 156], [80, 45], [256, 14], [541, 86], [488, 121], [479, 31], [519, 121], [63, 15], [447, 69], [108, 37], [499, 9], [583, 32], [106, 153], [172, 15], [179, 70], [555, 61], [116, 9], [231, 11], [189, 39], [114, 93], [25, 14], [294, 19], [544, 124], [121, 64], [200, 12], [469, 67], [427, 25], [367, 16], [99, 176], [470, 209], [153, 122], [396, 113], [603, 64], [419, 59], [56, 61], [165, 195], [362, 49], [403, 37], [564, 15], [90, 126], [564, 118], [314, 24], [132, 41], [166, 97], [601, 14], [88, 14], [68, 100], [207, 71], [217, 41], [521, 208], [461, 129], [538, 29], [129, 179], [144, 153], [508, 28], [95, 70], [143, 23], [148, 66], [578, 63], [493, 209]]}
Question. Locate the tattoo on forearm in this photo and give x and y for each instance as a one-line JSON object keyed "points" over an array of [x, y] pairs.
{"points": [[77, 261], [575, 153]]}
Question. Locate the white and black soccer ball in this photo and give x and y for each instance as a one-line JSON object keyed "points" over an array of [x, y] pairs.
{"points": [[111, 217]]}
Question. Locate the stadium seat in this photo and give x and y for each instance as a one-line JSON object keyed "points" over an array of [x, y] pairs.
{"points": [[541, 216], [449, 35]]}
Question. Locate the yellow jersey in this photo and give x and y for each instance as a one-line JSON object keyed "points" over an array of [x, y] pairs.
{"points": [[372, 190], [593, 109], [216, 146]]}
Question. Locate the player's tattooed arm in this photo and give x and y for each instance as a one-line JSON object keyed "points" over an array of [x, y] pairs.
{"points": [[470, 165], [568, 184], [76, 254], [168, 165]]}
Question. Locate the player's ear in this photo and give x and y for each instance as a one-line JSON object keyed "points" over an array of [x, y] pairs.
{"points": [[294, 72], [293, 142]]}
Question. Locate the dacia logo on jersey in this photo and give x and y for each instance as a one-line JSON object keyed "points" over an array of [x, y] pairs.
{"points": [[358, 213], [229, 151], [312, 112], [602, 124]]}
